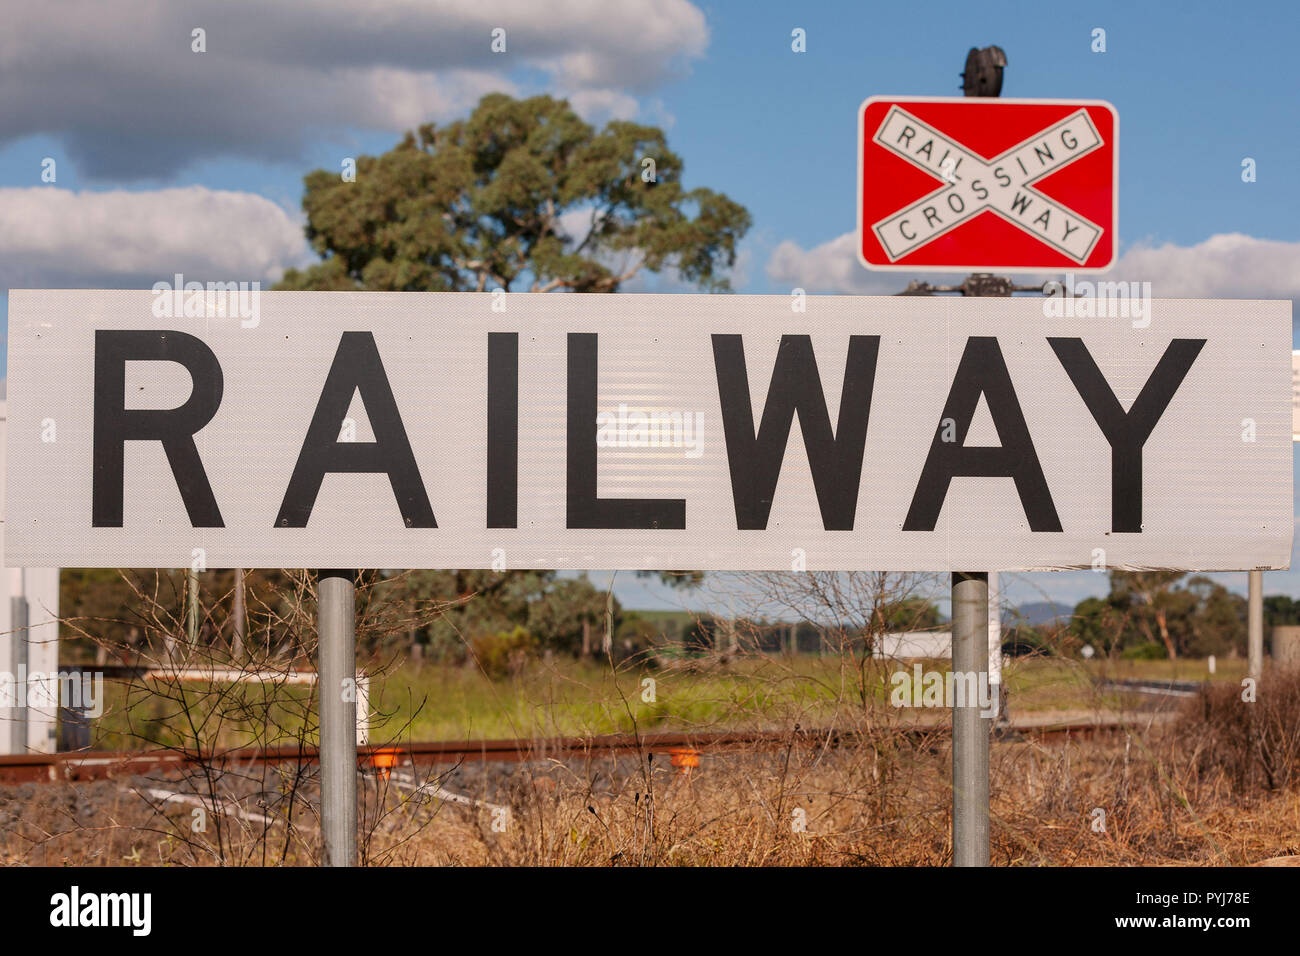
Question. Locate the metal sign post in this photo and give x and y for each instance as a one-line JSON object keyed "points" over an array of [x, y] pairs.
{"points": [[995, 648], [336, 683], [1255, 626], [20, 636], [970, 728]]}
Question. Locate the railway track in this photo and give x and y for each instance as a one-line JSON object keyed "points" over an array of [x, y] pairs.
{"points": [[81, 766], [1161, 688]]}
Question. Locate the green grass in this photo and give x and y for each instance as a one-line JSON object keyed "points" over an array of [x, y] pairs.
{"points": [[1043, 684], [1190, 668], [138, 715], [573, 698], [439, 702], [578, 698]]}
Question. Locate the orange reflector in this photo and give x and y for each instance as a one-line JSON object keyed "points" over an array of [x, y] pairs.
{"points": [[384, 761], [685, 759]]}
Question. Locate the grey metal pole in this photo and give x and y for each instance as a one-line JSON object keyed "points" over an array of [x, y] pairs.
{"points": [[995, 647], [970, 731], [192, 617], [240, 615], [18, 637], [336, 684], [1255, 626]]}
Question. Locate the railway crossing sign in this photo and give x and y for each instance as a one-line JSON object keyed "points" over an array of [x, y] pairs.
{"points": [[952, 184]]}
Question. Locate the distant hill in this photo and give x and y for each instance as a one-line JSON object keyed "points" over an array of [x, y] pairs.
{"points": [[1039, 613]]}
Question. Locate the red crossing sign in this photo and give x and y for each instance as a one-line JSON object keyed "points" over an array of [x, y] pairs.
{"points": [[956, 184]]}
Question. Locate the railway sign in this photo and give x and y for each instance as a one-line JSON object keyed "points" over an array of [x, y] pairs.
{"points": [[951, 184], [341, 430]]}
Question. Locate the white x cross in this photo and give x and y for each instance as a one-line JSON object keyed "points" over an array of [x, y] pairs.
{"points": [[972, 184]]}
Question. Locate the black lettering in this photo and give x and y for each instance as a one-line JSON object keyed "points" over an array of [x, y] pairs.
{"points": [[585, 510], [983, 371], [834, 459], [356, 368], [176, 427], [1127, 432], [503, 430]]}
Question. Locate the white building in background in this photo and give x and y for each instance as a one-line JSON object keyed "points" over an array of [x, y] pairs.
{"points": [[31, 729]]}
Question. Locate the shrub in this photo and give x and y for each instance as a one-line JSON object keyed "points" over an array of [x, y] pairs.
{"points": [[1252, 743], [1149, 651], [502, 654]]}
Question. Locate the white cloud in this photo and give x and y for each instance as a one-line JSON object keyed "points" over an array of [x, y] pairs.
{"points": [[401, 99], [1228, 265], [53, 237], [599, 106], [833, 267], [739, 273], [120, 86], [576, 224]]}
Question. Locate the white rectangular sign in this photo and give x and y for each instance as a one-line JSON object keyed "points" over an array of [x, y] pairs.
{"points": [[463, 430]]}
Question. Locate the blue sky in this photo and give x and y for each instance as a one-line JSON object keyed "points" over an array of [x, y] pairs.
{"points": [[206, 151]]}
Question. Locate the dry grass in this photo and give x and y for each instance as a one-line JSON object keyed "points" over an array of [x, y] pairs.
{"points": [[1218, 786], [880, 807], [884, 801]]}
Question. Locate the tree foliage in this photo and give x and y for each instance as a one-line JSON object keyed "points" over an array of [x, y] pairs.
{"points": [[101, 603], [1158, 609], [909, 614], [481, 608], [1281, 610], [521, 195]]}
